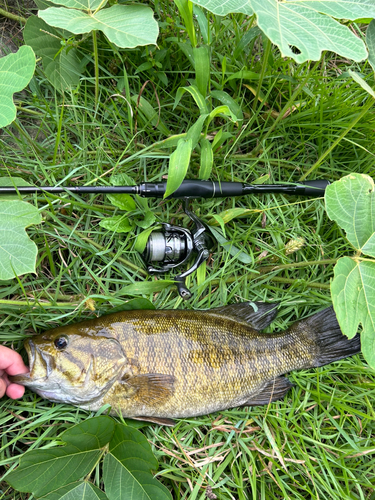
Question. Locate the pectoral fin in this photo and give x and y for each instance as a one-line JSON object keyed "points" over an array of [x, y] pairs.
{"points": [[272, 391], [150, 388]]}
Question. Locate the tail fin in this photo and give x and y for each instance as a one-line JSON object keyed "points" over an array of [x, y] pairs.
{"points": [[332, 345]]}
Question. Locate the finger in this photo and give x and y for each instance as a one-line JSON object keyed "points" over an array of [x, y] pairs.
{"points": [[15, 391], [2, 387], [12, 362]]}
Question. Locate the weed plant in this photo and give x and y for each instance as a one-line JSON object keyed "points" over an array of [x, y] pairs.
{"points": [[319, 441]]}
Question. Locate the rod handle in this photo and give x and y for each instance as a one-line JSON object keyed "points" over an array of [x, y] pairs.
{"points": [[194, 189]]}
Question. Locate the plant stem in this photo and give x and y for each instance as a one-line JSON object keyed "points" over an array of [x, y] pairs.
{"points": [[96, 63], [30, 111], [13, 17], [267, 269], [58, 135], [100, 6], [325, 286], [341, 136], [59, 305]]}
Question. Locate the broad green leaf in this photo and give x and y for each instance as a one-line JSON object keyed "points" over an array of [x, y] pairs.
{"points": [[353, 296], [126, 26], [43, 471], [223, 8], [139, 303], [81, 4], [204, 24], [142, 238], [246, 39], [226, 99], [370, 40], [62, 65], [242, 256], [187, 49], [44, 4], [219, 220], [202, 68], [233, 213], [79, 490], [172, 141], [307, 25], [220, 138], [195, 131], [122, 180], [185, 8], [143, 67], [117, 223], [145, 221], [221, 110], [262, 179], [16, 71], [351, 203], [127, 468], [217, 139], [17, 252], [244, 74], [207, 159], [178, 165], [123, 201], [56, 473], [146, 287], [11, 182], [201, 274], [357, 78], [197, 96]]}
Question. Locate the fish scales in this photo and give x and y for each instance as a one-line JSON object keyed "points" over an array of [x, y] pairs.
{"points": [[176, 363]]}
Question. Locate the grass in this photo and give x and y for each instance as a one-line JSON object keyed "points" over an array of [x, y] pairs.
{"points": [[319, 441]]}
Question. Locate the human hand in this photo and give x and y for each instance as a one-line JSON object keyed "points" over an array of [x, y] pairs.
{"points": [[11, 363]]}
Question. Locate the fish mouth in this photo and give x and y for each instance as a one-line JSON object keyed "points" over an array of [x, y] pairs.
{"points": [[31, 378]]}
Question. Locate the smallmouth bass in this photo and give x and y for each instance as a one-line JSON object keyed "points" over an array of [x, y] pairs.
{"points": [[158, 365]]}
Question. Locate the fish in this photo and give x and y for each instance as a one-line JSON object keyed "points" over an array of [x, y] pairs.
{"points": [[159, 365]]}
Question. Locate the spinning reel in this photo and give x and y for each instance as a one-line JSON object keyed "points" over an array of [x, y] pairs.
{"points": [[174, 245]]}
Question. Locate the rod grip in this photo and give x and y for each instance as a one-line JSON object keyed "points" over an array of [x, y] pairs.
{"points": [[194, 189]]}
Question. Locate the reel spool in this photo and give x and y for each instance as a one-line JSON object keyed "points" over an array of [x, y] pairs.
{"points": [[174, 245]]}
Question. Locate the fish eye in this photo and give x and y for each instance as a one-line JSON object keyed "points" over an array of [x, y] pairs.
{"points": [[61, 343]]}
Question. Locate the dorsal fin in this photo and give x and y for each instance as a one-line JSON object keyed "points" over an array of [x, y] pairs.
{"points": [[258, 315]]}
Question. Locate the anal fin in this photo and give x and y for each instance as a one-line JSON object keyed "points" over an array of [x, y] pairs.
{"points": [[157, 420], [274, 389]]}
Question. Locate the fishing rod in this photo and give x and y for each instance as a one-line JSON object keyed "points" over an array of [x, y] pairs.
{"points": [[174, 245], [188, 189]]}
